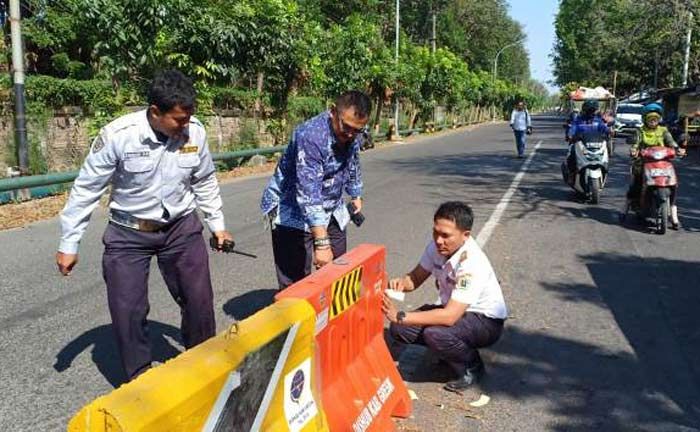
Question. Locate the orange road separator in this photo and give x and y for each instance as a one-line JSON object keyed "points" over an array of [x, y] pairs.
{"points": [[260, 375], [361, 388]]}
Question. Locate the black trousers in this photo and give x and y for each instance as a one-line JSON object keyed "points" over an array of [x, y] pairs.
{"points": [[184, 263], [457, 344], [293, 250]]}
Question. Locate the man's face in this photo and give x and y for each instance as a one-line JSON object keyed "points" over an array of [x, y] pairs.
{"points": [[172, 123], [347, 124], [520, 106], [448, 237]]}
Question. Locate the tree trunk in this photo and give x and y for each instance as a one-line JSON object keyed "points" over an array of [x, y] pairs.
{"points": [[258, 100]]}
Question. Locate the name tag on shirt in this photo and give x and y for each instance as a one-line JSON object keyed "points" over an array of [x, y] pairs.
{"points": [[189, 149], [136, 154]]}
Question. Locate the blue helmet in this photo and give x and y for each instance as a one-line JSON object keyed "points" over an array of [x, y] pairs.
{"points": [[653, 108]]}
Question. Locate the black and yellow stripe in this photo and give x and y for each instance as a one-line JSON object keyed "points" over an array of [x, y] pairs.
{"points": [[345, 292]]}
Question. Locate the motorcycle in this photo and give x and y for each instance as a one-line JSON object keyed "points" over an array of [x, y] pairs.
{"points": [[658, 189], [591, 169]]}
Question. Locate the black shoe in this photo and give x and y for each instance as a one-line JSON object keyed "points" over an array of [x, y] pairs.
{"points": [[471, 376]]}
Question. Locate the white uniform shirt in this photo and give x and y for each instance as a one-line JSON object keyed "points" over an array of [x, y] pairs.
{"points": [[520, 120], [466, 277], [150, 180]]}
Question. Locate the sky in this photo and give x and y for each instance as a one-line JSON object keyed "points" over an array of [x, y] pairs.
{"points": [[537, 19]]}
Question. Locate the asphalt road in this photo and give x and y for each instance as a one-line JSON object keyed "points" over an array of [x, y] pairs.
{"points": [[604, 332]]}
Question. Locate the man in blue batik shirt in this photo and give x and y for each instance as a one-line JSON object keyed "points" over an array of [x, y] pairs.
{"points": [[304, 198]]}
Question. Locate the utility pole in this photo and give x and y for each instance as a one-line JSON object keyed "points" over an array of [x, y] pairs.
{"points": [[397, 136], [434, 47], [656, 69], [18, 78], [687, 49], [434, 39]]}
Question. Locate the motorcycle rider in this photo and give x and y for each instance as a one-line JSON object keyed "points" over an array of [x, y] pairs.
{"points": [[588, 126], [650, 135]]}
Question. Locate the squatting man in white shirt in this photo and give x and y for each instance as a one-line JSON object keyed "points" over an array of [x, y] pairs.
{"points": [[471, 310]]}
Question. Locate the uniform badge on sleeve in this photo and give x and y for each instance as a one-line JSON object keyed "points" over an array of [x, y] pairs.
{"points": [[464, 281], [98, 144], [463, 257]]}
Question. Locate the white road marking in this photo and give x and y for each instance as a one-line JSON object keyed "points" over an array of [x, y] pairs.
{"points": [[495, 217]]}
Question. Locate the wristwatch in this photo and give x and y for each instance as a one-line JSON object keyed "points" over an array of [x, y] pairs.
{"points": [[400, 316]]}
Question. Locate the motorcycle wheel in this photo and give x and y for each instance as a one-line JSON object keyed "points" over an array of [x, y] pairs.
{"points": [[662, 217], [594, 189]]}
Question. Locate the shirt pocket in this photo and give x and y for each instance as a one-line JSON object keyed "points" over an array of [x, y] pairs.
{"points": [[188, 161], [138, 165]]}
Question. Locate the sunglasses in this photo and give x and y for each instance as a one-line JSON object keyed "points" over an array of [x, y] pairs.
{"points": [[347, 129]]}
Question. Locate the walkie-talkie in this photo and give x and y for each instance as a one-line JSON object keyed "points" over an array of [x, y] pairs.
{"points": [[228, 247]]}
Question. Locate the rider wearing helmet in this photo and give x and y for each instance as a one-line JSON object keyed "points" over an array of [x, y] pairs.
{"points": [[650, 135], [588, 127]]}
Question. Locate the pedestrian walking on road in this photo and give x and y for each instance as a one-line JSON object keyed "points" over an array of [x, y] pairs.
{"points": [[159, 167], [304, 198], [521, 123], [471, 312]]}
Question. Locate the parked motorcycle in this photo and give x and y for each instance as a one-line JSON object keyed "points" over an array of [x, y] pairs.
{"points": [[659, 185], [591, 169]]}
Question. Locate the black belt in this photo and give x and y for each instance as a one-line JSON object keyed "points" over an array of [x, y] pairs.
{"points": [[146, 225]]}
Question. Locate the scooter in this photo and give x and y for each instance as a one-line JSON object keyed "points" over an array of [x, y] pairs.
{"points": [[659, 186], [591, 169]]}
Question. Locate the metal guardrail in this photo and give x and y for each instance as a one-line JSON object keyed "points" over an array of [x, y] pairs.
{"points": [[15, 183]]}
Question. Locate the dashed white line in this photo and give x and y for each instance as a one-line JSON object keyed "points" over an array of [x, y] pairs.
{"points": [[495, 217]]}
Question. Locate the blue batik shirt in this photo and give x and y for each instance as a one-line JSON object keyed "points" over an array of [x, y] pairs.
{"points": [[307, 187]]}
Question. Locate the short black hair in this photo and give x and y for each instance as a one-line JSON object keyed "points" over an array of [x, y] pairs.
{"points": [[354, 99], [170, 88], [458, 212]]}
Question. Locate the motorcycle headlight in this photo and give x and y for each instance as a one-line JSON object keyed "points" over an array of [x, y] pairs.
{"points": [[658, 155]]}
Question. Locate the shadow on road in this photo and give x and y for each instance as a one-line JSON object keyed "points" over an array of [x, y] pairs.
{"points": [[105, 354], [654, 302], [246, 304]]}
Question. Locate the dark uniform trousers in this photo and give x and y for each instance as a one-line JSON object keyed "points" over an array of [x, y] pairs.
{"points": [[457, 344], [184, 263], [293, 250]]}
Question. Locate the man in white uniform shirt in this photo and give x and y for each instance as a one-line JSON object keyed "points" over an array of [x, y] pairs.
{"points": [[521, 123], [160, 169], [471, 310]]}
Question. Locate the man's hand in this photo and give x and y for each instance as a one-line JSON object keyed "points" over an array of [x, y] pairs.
{"points": [[388, 308], [358, 204], [398, 284], [66, 262], [322, 257], [681, 152], [220, 237]]}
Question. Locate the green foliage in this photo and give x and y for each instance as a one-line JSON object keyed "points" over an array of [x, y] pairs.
{"points": [[642, 42], [92, 95], [282, 59]]}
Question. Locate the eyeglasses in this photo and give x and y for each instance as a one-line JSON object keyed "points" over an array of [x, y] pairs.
{"points": [[349, 130]]}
